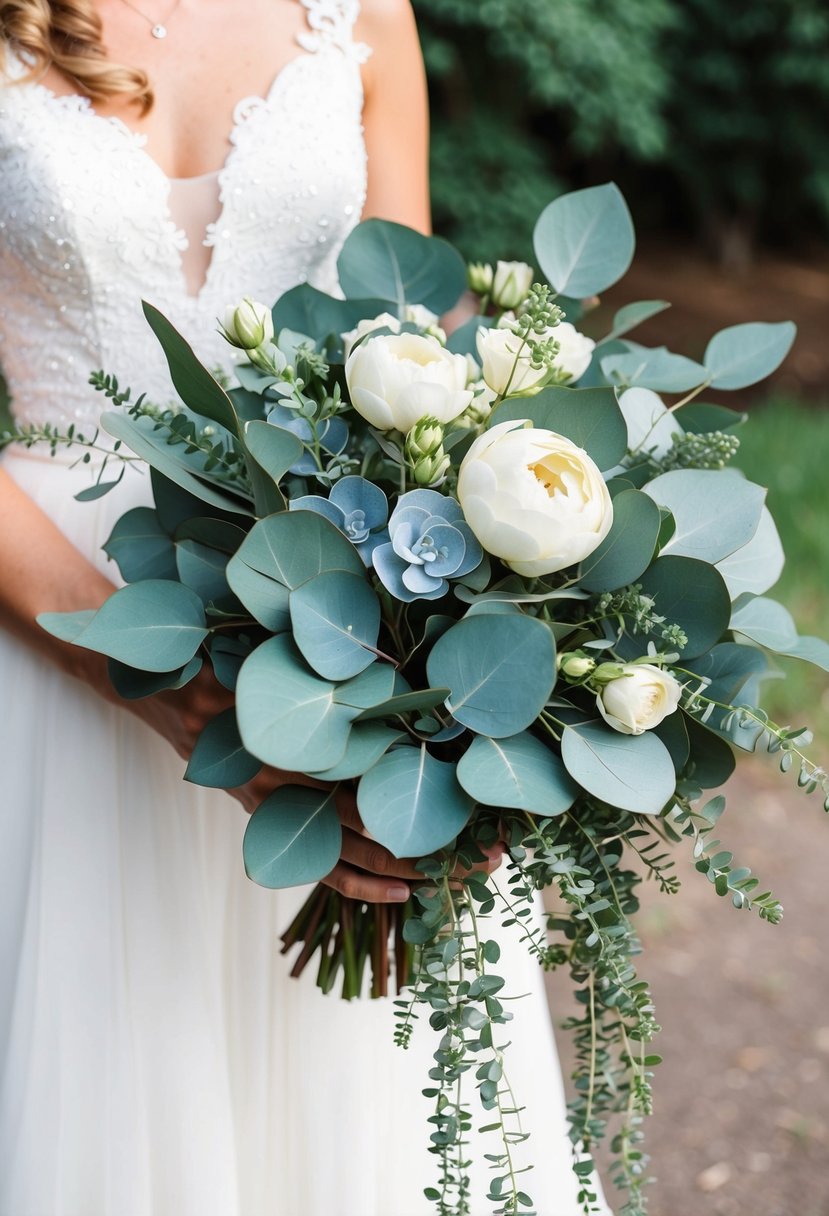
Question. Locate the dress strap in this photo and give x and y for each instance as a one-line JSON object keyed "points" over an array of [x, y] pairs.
{"points": [[331, 23]]}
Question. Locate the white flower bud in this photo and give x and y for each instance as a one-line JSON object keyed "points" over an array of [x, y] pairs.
{"points": [[511, 283], [248, 325]]}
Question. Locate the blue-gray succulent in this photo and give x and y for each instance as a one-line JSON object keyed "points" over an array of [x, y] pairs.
{"points": [[357, 507], [429, 543]]}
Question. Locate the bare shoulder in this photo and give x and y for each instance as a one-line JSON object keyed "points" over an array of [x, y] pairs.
{"points": [[385, 19]]}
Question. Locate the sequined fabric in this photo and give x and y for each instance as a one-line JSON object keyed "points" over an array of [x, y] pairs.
{"points": [[86, 230]]}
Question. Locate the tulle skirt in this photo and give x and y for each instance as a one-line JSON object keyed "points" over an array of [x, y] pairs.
{"points": [[155, 1057]]}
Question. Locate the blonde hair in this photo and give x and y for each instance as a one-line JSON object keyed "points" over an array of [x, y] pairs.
{"points": [[66, 34]]}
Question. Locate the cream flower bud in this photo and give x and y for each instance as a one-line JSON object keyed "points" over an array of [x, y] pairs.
{"points": [[533, 498], [641, 697], [395, 380], [248, 325], [479, 276], [576, 665], [575, 350], [511, 283], [506, 362]]}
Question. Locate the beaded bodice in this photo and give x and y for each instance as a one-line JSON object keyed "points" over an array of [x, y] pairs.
{"points": [[87, 228]]}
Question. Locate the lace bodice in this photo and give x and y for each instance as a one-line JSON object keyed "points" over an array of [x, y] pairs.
{"points": [[87, 228]]}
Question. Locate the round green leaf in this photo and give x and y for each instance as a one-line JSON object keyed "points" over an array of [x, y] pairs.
{"points": [[743, 354], [757, 566], [631, 315], [520, 773], [219, 759], [140, 547], [366, 744], [729, 667], [294, 546], [711, 759], [690, 594], [628, 548], [203, 569], [590, 417], [287, 716], [632, 772], [765, 622], [336, 623], [584, 241], [294, 837], [391, 262], [133, 685], [412, 803], [655, 368], [155, 625], [716, 512], [500, 671]]}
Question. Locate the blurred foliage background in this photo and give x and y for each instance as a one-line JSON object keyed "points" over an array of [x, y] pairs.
{"points": [[711, 116]]}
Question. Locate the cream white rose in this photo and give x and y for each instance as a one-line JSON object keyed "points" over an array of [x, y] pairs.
{"points": [[575, 350], [395, 380], [511, 283], [248, 325], [506, 362], [641, 697], [533, 498]]}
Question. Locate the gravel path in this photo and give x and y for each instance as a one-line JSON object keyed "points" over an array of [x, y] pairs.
{"points": [[742, 1097]]}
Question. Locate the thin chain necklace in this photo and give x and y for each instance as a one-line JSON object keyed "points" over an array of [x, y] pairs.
{"points": [[157, 28]]}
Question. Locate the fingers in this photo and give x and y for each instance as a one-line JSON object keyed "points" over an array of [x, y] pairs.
{"points": [[369, 888], [368, 855]]}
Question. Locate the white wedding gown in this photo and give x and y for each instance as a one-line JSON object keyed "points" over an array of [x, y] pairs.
{"points": [[155, 1058]]}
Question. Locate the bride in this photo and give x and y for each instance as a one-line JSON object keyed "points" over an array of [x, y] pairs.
{"points": [[155, 1058]]}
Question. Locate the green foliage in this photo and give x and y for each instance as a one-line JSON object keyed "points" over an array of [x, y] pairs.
{"points": [[521, 90]]}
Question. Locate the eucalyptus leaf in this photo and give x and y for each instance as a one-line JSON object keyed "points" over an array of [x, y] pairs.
{"points": [[203, 569], [765, 622], [712, 761], [412, 803], [656, 368], [366, 744], [140, 547], [199, 391], [628, 548], [133, 685], [632, 772], [757, 566], [742, 355], [154, 625], [219, 759], [214, 534], [336, 623], [293, 547], [171, 460], [293, 837], [584, 241], [728, 667], [288, 716], [500, 671], [272, 451], [371, 687], [464, 340], [520, 772], [716, 513], [420, 701], [590, 417], [631, 315], [391, 262], [306, 310], [691, 594], [700, 418]]}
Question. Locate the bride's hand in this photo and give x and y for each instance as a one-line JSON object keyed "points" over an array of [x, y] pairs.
{"points": [[366, 871]]}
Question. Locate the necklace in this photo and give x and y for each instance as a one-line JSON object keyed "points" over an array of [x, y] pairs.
{"points": [[157, 28]]}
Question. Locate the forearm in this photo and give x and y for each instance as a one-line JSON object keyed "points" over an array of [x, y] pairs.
{"points": [[41, 571]]}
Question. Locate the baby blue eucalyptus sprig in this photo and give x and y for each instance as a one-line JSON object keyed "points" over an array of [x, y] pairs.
{"points": [[430, 543], [358, 508]]}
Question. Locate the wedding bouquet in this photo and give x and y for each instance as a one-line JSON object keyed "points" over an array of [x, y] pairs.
{"points": [[496, 585]]}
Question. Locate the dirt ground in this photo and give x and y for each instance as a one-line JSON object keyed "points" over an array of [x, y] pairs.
{"points": [[741, 1120], [706, 298]]}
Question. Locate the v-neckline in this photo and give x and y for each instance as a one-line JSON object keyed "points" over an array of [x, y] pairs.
{"points": [[136, 140]]}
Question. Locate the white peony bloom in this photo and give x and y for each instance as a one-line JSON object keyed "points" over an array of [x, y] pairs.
{"points": [[511, 284], [533, 498], [576, 350], [395, 380], [641, 697], [414, 314], [506, 362], [247, 325]]}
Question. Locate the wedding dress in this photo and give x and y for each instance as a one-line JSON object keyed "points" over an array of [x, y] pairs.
{"points": [[155, 1058]]}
